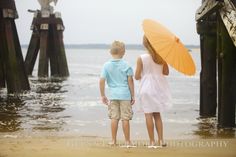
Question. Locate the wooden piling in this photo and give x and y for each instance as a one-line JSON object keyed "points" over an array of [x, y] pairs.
{"points": [[227, 77], [16, 77], [12, 63], [50, 30], [208, 92], [226, 56], [219, 64], [53, 52], [2, 74], [43, 57], [63, 66], [32, 53], [2, 71]]}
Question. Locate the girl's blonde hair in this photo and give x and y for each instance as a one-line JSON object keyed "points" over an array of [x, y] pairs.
{"points": [[117, 47], [155, 57]]}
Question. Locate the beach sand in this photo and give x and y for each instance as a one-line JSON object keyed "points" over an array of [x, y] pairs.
{"points": [[94, 146]]}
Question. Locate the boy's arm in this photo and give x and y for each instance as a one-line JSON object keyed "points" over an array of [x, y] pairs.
{"points": [[131, 88], [102, 91]]}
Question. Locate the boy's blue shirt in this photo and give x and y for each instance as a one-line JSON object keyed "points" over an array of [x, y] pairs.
{"points": [[116, 72]]}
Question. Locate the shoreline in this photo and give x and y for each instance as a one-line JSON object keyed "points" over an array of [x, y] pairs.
{"points": [[97, 146]]}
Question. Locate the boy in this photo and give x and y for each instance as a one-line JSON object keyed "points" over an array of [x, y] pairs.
{"points": [[119, 77]]}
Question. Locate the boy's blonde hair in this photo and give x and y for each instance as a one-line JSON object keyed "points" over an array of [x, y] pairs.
{"points": [[117, 47], [155, 57]]}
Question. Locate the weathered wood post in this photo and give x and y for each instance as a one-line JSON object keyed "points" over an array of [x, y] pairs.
{"points": [[2, 71], [227, 65], [47, 37], [11, 60], [206, 27], [33, 49], [226, 55]]}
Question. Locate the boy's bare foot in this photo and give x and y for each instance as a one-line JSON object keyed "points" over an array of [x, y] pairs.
{"points": [[112, 143]]}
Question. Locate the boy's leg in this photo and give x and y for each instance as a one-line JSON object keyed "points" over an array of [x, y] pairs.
{"points": [[126, 115], [159, 126], [150, 127], [126, 130], [114, 128], [114, 114]]}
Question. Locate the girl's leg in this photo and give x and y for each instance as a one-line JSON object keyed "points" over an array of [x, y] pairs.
{"points": [[159, 126], [150, 127], [114, 128], [126, 131]]}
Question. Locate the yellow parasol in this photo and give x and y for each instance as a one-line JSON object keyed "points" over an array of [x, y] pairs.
{"points": [[169, 47]]}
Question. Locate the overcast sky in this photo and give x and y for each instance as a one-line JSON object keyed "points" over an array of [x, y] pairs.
{"points": [[102, 21]]}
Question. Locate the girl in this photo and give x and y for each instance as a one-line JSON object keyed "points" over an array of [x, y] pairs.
{"points": [[154, 92]]}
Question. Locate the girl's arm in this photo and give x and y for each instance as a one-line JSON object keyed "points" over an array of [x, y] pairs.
{"points": [[131, 88], [165, 70], [139, 69]]}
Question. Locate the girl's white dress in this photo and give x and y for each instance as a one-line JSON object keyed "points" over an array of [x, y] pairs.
{"points": [[154, 91]]}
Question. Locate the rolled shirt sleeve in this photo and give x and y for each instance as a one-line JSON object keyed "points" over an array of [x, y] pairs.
{"points": [[130, 72]]}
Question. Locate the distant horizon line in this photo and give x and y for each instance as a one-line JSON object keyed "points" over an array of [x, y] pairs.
{"points": [[106, 46]]}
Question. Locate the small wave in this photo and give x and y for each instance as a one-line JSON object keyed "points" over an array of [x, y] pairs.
{"points": [[181, 121], [10, 136], [183, 78], [87, 122], [83, 103]]}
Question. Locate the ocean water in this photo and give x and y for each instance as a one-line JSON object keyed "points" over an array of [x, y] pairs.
{"points": [[72, 107]]}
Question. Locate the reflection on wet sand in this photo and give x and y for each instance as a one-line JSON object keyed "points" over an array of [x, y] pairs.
{"points": [[207, 128]]}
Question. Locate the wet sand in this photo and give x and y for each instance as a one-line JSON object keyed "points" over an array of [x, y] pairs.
{"points": [[94, 146]]}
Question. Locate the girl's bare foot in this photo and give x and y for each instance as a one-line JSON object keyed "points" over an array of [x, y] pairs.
{"points": [[128, 144], [153, 145], [161, 143]]}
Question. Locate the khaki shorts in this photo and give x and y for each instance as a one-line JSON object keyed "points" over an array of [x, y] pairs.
{"points": [[120, 109]]}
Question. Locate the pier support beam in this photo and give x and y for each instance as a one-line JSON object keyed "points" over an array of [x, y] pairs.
{"points": [[2, 72], [227, 77], [208, 88], [47, 37], [31, 57], [225, 43], [11, 59]]}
